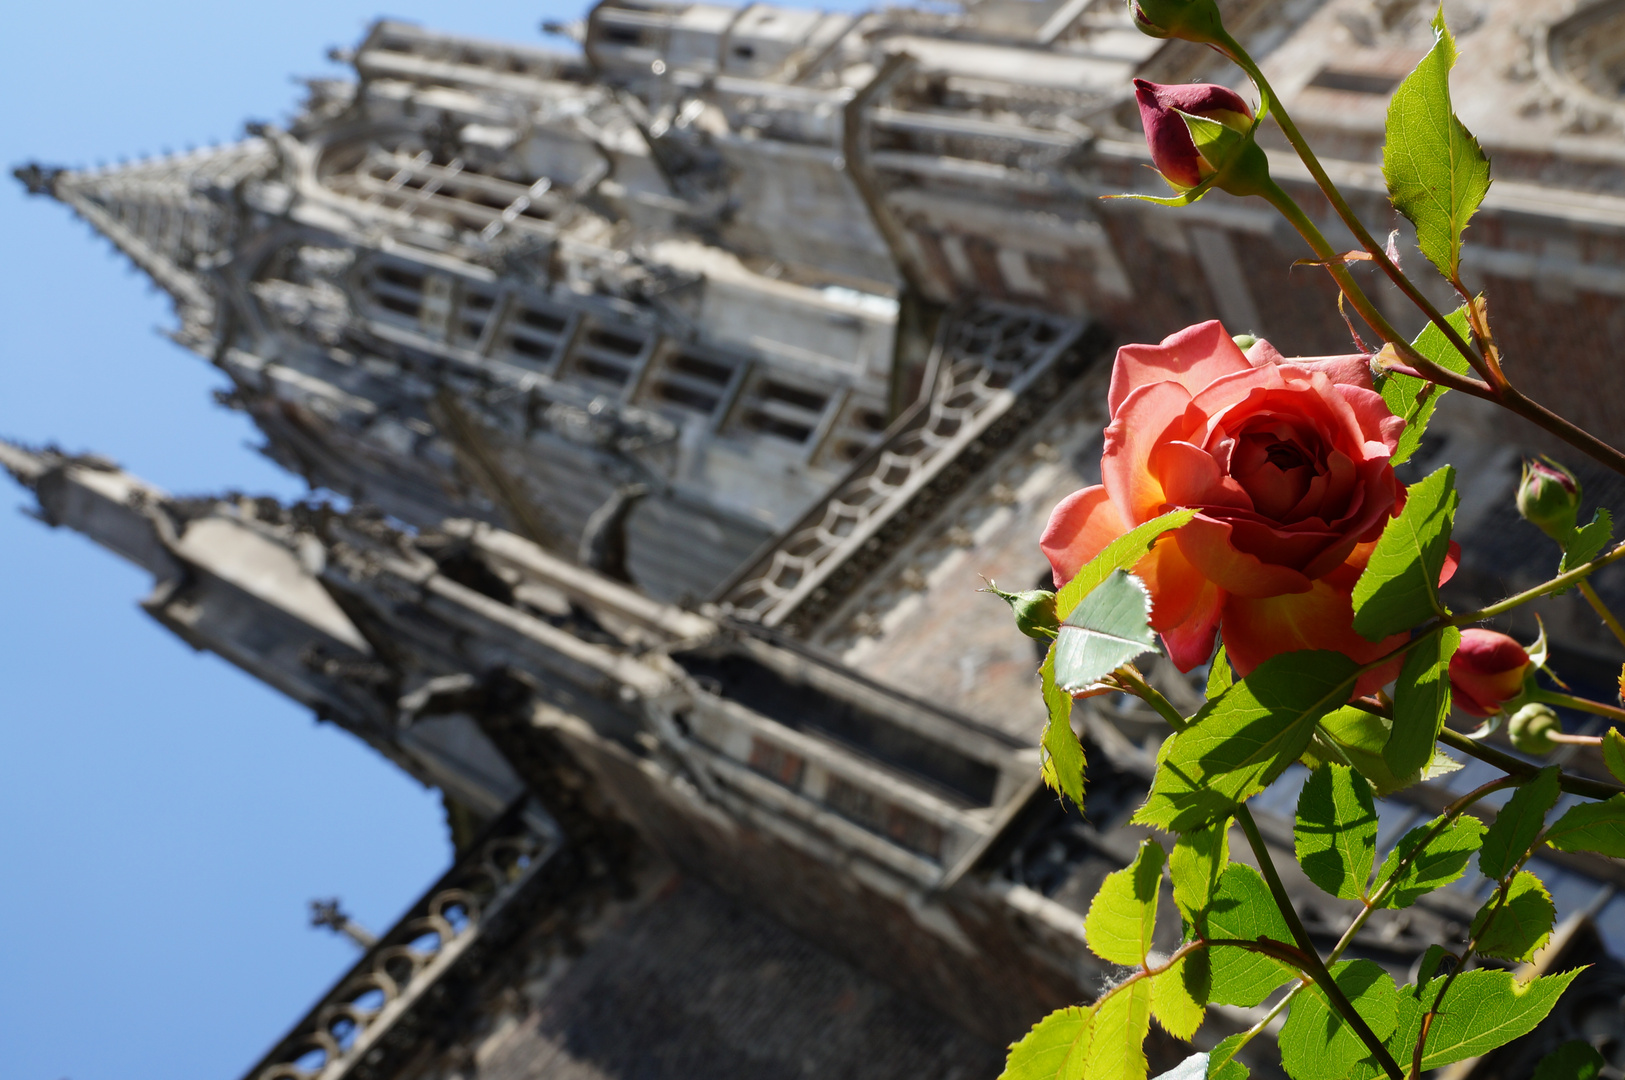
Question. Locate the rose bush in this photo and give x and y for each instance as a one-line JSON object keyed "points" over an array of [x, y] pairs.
{"points": [[1287, 462]]}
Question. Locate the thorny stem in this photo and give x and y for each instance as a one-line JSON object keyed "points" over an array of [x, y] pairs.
{"points": [[1322, 248], [1378, 254], [1569, 701], [1574, 785], [1607, 616], [1497, 388], [1556, 584], [1317, 968]]}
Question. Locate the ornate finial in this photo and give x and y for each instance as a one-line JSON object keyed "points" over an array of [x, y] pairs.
{"points": [[330, 914], [38, 179]]}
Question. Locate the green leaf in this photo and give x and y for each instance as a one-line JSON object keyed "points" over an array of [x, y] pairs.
{"points": [[1174, 1004], [1108, 628], [1574, 1060], [1336, 831], [1613, 753], [1120, 554], [1124, 911], [1482, 1010], [1421, 702], [1514, 929], [1591, 826], [1193, 1067], [1222, 1063], [1219, 676], [1400, 585], [1356, 738], [1063, 754], [1587, 542], [1198, 858], [1056, 1048], [1243, 910], [1317, 1043], [1243, 740], [1437, 174], [1418, 868], [1412, 399], [1122, 1021], [1517, 825]]}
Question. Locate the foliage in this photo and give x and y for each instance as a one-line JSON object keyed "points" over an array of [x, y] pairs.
{"points": [[1242, 944]]}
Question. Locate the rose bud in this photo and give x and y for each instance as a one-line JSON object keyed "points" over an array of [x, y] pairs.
{"points": [[1172, 149], [1487, 671], [1189, 20], [1531, 728], [1549, 498]]}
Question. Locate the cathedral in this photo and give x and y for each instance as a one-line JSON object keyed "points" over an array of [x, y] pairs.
{"points": [[671, 400]]}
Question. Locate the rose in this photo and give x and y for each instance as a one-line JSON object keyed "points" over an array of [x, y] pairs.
{"points": [[1286, 462], [1173, 151], [1487, 671], [1549, 498]]}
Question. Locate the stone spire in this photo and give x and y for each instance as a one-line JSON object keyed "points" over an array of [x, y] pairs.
{"points": [[171, 215]]}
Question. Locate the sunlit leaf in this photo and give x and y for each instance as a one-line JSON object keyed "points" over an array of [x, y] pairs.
{"points": [[1431, 865], [1421, 702], [1122, 1021], [1241, 741], [1591, 826], [1412, 399], [1243, 910], [1516, 928], [1317, 1043], [1517, 825], [1124, 911], [1174, 1005], [1356, 738], [1198, 859], [1482, 1010], [1110, 627], [1219, 676], [1057, 1047], [1587, 542], [1400, 585], [1336, 831], [1120, 554], [1613, 753], [1437, 173], [1063, 753]]}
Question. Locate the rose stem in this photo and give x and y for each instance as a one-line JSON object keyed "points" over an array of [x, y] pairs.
{"points": [[1608, 618], [1574, 785], [1317, 970], [1552, 697]]}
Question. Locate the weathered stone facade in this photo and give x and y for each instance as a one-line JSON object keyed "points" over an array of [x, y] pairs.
{"points": [[683, 390]]}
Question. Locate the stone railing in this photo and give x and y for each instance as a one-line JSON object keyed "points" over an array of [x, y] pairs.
{"points": [[351, 1025]]}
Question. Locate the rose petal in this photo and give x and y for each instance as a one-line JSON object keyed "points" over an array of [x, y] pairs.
{"points": [[1206, 542], [1150, 415], [1189, 476], [1079, 527], [1256, 629], [1194, 358]]}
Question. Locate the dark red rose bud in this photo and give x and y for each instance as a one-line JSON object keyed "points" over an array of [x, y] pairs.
{"points": [[1172, 149], [1549, 498], [1487, 672]]}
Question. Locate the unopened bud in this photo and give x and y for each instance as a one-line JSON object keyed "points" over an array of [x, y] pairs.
{"points": [[1245, 341], [1531, 728], [1549, 498], [1173, 149], [1188, 20], [1487, 671], [1034, 611]]}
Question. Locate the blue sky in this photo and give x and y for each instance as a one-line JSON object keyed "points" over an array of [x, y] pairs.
{"points": [[165, 818]]}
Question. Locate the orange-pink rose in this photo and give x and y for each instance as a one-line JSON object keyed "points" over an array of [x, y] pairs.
{"points": [[1287, 462]]}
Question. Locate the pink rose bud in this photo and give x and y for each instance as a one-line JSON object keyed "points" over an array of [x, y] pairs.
{"points": [[1172, 149], [1487, 672], [1549, 498]]}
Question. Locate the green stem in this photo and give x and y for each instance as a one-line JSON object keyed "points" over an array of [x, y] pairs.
{"points": [[1556, 584], [1569, 701], [1134, 683], [1574, 785], [1317, 968], [1427, 369], [1609, 619], [1378, 254]]}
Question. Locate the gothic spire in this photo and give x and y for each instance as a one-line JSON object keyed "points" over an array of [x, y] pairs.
{"points": [[169, 214]]}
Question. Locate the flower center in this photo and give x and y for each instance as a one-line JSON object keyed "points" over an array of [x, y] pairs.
{"points": [[1274, 468]]}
